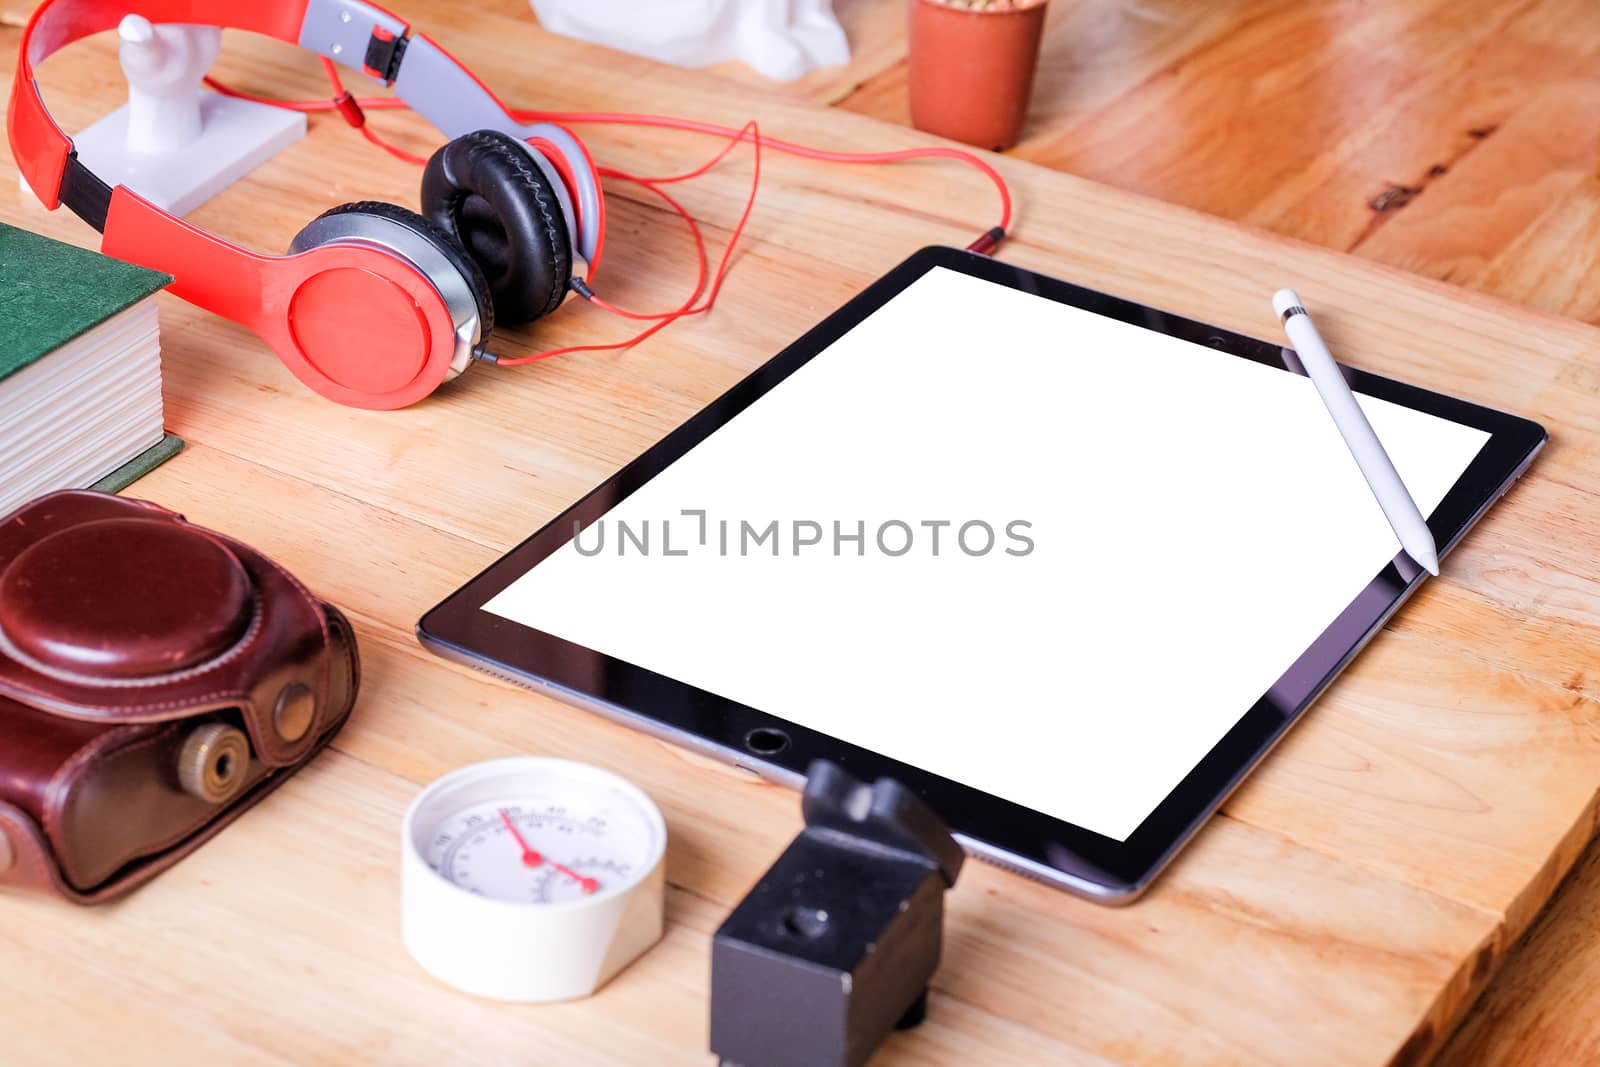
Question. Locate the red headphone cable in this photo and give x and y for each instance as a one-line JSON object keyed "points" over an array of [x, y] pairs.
{"points": [[581, 287], [353, 109], [670, 122]]}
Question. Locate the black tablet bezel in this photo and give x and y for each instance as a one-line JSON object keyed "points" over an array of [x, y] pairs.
{"points": [[999, 829]]}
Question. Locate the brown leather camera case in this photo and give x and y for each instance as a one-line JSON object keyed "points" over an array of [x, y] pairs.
{"points": [[156, 679]]}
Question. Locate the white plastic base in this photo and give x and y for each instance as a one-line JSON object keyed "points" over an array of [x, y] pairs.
{"points": [[236, 137]]}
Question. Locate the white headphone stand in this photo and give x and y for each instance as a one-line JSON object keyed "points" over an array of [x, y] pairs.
{"points": [[174, 143]]}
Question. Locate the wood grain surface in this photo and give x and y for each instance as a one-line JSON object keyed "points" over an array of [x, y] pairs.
{"points": [[1460, 140], [1346, 908]]}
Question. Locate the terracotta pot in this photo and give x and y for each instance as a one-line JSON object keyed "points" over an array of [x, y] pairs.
{"points": [[972, 70]]}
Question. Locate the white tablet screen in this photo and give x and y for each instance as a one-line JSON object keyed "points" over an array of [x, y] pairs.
{"points": [[1046, 554]]}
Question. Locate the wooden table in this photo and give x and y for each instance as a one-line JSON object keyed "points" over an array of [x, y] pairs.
{"points": [[1459, 139], [1346, 907]]}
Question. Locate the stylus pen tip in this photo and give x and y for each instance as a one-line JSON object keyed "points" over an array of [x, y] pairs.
{"points": [[1428, 560]]}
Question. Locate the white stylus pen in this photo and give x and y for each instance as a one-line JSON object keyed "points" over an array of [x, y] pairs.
{"points": [[1393, 496]]}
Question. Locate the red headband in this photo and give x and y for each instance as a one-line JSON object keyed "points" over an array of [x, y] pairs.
{"points": [[43, 152], [248, 287], [353, 32]]}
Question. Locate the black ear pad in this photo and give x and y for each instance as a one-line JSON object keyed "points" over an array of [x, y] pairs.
{"points": [[483, 190], [453, 252]]}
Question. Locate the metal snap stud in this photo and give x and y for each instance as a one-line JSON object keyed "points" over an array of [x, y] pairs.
{"points": [[296, 709]]}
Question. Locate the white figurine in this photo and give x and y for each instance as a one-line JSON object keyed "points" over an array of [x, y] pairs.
{"points": [[164, 65], [174, 143], [781, 39]]}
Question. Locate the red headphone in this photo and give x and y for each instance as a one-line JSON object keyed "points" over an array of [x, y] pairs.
{"points": [[375, 306]]}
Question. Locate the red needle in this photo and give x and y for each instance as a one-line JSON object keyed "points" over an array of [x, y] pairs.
{"points": [[530, 858], [588, 885]]}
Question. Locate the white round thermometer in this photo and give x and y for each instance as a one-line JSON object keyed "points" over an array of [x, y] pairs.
{"points": [[531, 879]]}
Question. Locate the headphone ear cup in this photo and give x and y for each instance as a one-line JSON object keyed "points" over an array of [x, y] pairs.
{"points": [[375, 306], [470, 271], [484, 191]]}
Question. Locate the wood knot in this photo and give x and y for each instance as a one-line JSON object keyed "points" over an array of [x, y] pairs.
{"points": [[1395, 197]]}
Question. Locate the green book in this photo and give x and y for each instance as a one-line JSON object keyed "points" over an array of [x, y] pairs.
{"points": [[80, 367], [51, 292]]}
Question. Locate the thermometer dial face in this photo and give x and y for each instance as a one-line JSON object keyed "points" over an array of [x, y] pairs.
{"points": [[531, 879], [538, 849]]}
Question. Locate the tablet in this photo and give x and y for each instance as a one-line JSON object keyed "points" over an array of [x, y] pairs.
{"points": [[1065, 565]]}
